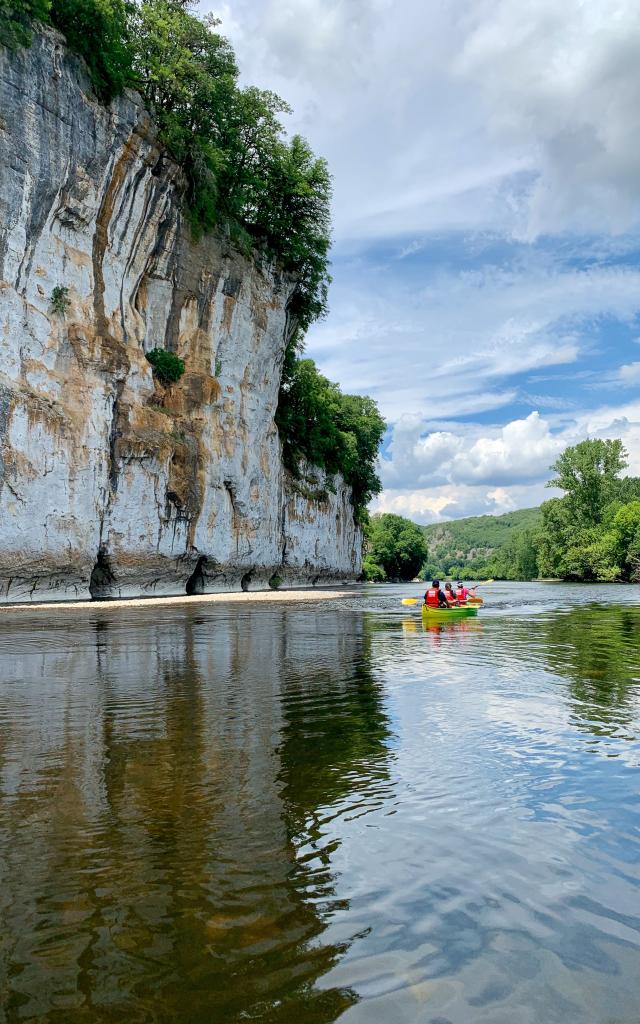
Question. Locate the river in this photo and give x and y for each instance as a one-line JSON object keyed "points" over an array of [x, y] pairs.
{"points": [[304, 813]]}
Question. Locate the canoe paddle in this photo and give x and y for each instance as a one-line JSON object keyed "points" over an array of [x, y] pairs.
{"points": [[416, 600]]}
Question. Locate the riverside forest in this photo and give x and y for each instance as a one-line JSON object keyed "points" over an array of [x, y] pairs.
{"points": [[592, 533], [249, 770]]}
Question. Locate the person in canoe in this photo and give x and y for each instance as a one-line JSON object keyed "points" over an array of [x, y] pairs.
{"points": [[463, 593], [449, 594], [435, 597]]}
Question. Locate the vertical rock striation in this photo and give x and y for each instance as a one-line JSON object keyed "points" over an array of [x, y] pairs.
{"points": [[111, 483]]}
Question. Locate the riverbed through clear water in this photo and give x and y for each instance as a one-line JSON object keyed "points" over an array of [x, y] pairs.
{"points": [[307, 813]]}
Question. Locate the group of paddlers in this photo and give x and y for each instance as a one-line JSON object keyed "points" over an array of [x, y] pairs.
{"points": [[435, 597]]}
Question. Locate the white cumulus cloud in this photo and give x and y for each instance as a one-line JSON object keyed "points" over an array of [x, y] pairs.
{"points": [[489, 113], [522, 450], [486, 159]]}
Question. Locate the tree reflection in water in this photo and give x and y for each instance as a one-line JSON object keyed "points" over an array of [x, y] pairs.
{"points": [[164, 786], [596, 649]]}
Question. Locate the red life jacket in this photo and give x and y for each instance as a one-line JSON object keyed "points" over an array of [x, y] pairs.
{"points": [[431, 597], [450, 596], [460, 594]]}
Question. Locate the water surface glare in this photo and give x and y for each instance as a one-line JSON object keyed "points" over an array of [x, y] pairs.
{"points": [[304, 813]]}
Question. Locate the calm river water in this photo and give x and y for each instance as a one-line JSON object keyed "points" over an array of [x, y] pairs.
{"points": [[304, 813]]}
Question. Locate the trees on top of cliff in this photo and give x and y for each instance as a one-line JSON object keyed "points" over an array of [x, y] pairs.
{"points": [[99, 31], [96, 29], [244, 176], [16, 18], [340, 433]]}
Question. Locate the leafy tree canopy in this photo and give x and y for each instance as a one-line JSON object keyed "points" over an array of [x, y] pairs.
{"points": [[340, 433], [396, 546], [244, 177], [588, 473], [16, 18], [591, 533]]}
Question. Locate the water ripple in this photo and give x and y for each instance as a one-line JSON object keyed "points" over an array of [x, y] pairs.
{"points": [[323, 812]]}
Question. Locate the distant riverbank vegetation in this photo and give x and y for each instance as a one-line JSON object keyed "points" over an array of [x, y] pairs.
{"points": [[480, 547], [266, 193], [591, 534]]}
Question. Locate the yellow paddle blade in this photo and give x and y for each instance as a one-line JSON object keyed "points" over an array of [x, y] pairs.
{"points": [[409, 600]]}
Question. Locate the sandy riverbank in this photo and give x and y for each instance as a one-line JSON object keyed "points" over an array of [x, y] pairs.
{"points": [[147, 602]]}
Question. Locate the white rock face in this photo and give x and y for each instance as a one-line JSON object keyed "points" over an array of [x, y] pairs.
{"points": [[111, 483]]}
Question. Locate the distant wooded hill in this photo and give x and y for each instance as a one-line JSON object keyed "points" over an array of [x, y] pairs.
{"points": [[484, 546]]}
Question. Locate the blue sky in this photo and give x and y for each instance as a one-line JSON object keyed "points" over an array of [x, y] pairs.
{"points": [[486, 265]]}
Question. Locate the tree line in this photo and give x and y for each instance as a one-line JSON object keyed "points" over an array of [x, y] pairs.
{"points": [[590, 534], [244, 179]]}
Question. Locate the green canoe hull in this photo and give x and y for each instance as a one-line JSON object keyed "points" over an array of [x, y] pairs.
{"points": [[443, 614]]}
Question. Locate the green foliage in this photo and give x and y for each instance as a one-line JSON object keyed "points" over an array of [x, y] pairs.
{"points": [[292, 214], [588, 474], [373, 572], [624, 538], [243, 176], [99, 30], [517, 559], [59, 302], [590, 534], [395, 545], [339, 433], [478, 547], [16, 19], [167, 366]]}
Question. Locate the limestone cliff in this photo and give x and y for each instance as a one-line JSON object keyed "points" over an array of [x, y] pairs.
{"points": [[109, 481]]}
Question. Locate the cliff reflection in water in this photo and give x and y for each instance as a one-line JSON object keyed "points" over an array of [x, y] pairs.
{"points": [[163, 787]]}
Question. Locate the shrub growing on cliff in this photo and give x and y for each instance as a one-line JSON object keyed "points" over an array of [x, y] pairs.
{"points": [[340, 433], [167, 366], [59, 301]]}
